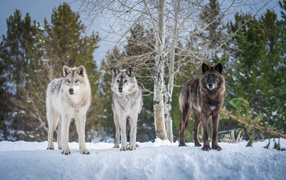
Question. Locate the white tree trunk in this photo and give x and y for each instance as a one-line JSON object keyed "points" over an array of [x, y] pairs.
{"points": [[170, 86], [158, 100]]}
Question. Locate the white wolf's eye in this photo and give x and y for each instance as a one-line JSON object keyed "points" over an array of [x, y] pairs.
{"points": [[125, 81], [76, 81], [68, 81]]}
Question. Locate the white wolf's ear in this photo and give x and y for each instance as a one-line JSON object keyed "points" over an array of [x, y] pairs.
{"points": [[205, 67], [115, 72], [130, 72], [219, 68], [66, 70], [81, 70]]}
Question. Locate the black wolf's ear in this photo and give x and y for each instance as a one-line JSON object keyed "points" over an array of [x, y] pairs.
{"points": [[130, 72], [115, 72], [219, 68], [81, 70], [66, 70], [205, 67]]}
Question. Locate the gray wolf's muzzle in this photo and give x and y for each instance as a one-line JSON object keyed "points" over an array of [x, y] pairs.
{"points": [[120, 89], [71, 91]]}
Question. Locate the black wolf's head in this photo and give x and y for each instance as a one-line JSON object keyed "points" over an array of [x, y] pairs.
{"points": [[212, 76]]}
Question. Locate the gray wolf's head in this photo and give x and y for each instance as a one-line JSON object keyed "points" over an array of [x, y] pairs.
{"points": [[212, 76], [123, 81], [74, 79]]}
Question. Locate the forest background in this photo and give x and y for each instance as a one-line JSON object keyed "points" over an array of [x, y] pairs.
{"points": [[251, 46]]}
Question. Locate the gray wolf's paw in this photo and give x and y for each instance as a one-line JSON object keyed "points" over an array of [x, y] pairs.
{"points": [[132, 148], [50, 148], [217, 147], [197, 144], [206, 148], [182, 144], [116, 146], [124, 148], [84, 151], [66, 152]]}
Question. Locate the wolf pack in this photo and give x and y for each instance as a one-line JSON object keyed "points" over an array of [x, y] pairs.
{"points": [[69, 97]]}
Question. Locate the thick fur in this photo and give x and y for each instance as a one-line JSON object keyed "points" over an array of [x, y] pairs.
{"points": [[68, 97], [126, 104], [201, 98]]}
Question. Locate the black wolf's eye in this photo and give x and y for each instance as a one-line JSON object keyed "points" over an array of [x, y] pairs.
{"points": [[125, 81]]}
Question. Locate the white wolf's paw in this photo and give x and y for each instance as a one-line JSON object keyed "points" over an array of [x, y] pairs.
{"points": [[50, 148], [124, 148], [132, 148], [116, 146], [137, 145], [84, 151], [66, 152]]}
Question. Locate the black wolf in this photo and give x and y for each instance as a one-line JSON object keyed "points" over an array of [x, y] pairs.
{"points": [[201, 98]]}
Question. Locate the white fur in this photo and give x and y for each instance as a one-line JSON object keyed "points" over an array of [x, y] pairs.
{"points": [[62, 107], [212, 108]]}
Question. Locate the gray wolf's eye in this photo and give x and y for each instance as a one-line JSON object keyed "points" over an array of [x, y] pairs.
{"points": [[76, 81], [125, 81], [118, 81], [68, 81]]}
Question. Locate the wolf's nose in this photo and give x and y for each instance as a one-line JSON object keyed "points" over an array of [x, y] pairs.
{"points": [[210, 85], [120, 89], [71, 91]]}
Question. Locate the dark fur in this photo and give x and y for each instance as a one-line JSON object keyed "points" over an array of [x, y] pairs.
{"points": [[197, 100]]}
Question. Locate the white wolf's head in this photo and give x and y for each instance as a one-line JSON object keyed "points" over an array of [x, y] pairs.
{"points": [[123, 81], [74, 79]]}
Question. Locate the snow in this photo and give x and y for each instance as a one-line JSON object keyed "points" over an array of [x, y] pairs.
{"points": [[158, 160]]}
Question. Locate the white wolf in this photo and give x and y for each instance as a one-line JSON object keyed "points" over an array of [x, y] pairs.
{"points": [[126, 105], [68, 97]]}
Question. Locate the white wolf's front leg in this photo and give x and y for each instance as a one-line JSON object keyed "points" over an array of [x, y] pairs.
{"points": [[80, 126], [122, 123], [65, 134], [133, 131]]}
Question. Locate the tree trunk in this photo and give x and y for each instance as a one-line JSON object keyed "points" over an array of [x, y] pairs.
{"points": [[158, 101], [170, 86]]}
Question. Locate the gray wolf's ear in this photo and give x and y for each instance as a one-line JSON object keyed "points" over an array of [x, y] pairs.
{"points": [[66, 70], [115, 72], [219, 68], [205, 67], [81, 70], [130, 72]]}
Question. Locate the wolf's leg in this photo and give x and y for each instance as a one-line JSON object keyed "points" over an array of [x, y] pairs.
{"points": [[133, 131], [51, 116], [65, 134], [215, 123], [122, 123], [59, 137], [197, 117], [80, 126], [184, 121], [206, 146], [117, 131]]}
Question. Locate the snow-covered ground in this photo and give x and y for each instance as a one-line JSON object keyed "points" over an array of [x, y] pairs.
{"points": [[158, 160]]}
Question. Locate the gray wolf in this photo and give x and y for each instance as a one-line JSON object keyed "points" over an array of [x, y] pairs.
{"points": [[68, 97], [126, 104], [201, 98]]}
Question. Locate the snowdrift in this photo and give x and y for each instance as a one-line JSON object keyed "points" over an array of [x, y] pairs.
{"points": [[158, 160]]}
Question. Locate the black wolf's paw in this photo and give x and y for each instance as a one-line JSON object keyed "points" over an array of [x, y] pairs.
{"points": [[217, 147], [182, 144], [197, 144], [206, 148]]}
